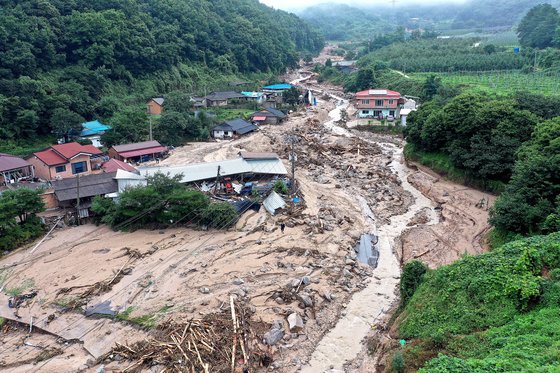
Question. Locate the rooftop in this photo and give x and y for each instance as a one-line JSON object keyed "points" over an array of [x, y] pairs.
{"points": [[206, 171], [278, 86], [378, 92], [62, 153], [237, 125], [136, 146], [258, 155], [113, 165], [219, 96], [10, 162], [158, 100], [93, 128], [90, 185]]}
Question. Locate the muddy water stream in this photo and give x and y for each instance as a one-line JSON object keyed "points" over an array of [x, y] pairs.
{"points": [[344, 341]]}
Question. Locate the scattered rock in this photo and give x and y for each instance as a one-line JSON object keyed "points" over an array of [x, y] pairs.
{"points": [[296, 322], [306, 299], [127, 271], [275, 334], [238, 281], [294, 283], [204, 290], [306, 280]]}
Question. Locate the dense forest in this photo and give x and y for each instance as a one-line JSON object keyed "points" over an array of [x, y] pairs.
{"points": [[495, 312], [65, 61]]}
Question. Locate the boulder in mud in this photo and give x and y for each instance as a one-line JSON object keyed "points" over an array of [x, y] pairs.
{"points": [[296, 322]]}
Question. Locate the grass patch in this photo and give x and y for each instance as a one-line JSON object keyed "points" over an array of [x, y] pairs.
{"points": [[392, 129], [500, 82], [18, 290], [65, 302], [147, 321], [497, 238], [22, 148], [441, 164], [223, 114], [2, 321]]}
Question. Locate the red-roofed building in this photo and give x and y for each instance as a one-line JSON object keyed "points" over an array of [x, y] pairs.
{"points": [[112, 165], [138, 152], [66, 160], [379, 103]]}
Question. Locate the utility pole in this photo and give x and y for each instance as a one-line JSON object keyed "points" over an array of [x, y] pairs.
{"points": [[293, 159], [150, 120], [217, 180], [78, 199]]}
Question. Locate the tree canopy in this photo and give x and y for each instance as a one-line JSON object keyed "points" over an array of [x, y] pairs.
{"points": [[539, 26], [60, 61]]}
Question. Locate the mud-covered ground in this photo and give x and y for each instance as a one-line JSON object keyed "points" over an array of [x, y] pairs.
{"points": [[352, 183]]}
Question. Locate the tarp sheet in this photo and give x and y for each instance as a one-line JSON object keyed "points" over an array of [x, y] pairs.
{"points": [[366, 251]]}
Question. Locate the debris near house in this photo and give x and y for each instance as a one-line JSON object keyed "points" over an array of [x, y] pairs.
{"points": [[219, 342]]}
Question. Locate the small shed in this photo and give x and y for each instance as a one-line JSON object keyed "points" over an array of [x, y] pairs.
{"points": [[155, 105], [231, 128]]}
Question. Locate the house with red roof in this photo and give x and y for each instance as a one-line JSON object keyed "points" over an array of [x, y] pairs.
{"points": [[66, 160], [379, 103]]}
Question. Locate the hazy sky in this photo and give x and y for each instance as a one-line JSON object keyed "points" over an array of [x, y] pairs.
{"points": [[300, 4]]}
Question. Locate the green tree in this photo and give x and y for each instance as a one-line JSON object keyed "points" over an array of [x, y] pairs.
{"points": [[18, 220], [531, 195], [412, 276], [291, 96], [128, 126], [220, 215], [65, 123], [431, 86], [538, 28]]}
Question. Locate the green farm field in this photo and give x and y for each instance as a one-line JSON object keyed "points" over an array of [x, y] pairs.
{"points": [[501, 82]]}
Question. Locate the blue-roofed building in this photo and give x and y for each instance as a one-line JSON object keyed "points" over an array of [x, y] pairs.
{"points": [[277, 87], [93, 131], [258, 97]]}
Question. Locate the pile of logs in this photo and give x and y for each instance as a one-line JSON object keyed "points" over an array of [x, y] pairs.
{"points": [[222, 342]]}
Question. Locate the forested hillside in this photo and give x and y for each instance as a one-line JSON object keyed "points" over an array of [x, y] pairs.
{"points": [[65, 61], [495, 312], [343, 22]]}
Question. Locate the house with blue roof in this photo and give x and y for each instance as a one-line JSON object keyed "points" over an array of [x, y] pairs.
{"points": [[93, 131], [275, 88]]}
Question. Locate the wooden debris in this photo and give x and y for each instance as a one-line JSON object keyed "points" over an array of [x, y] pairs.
{"points": [[199, 345]]}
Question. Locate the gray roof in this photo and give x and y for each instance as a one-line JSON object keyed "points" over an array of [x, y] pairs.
{"points": [[90, 185], [136, 146], [11, 162], [221, 96], [205, 171], [158, 100], [238, 126], [276, 112]]}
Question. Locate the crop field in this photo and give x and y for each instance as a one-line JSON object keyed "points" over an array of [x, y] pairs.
{"points": [[501, 81]]}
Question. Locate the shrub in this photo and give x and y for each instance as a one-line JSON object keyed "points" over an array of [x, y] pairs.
{"points": [[398, 364]]}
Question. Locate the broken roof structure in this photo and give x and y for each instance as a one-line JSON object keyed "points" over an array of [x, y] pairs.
{"points": [[90, 185], [273, 202], [269, 165]]}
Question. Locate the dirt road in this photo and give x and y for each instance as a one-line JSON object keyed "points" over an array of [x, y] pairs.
{"points": [[352, 183]]}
